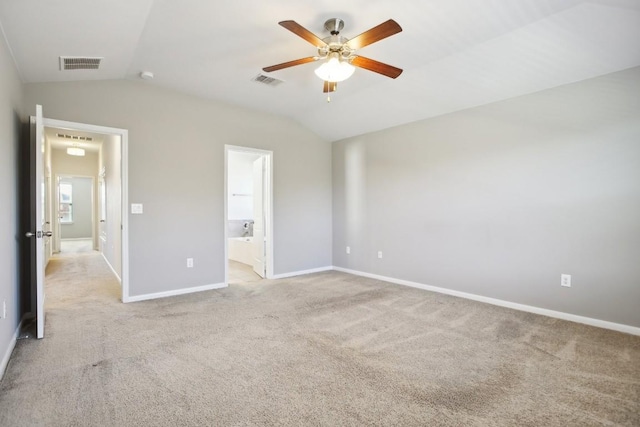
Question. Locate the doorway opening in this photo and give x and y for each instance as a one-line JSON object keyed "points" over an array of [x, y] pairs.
{"points": [[248, 214], [85, 202], [39, 202]]}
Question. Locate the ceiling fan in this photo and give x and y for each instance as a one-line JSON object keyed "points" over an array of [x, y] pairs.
{"points": [[338, 52]]}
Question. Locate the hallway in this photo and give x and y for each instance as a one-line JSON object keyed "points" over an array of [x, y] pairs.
{"points": [[76, 273], [68, 246], [82, 300]]}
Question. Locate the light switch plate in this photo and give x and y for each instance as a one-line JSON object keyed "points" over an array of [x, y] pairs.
{"points": [[136, 208]]}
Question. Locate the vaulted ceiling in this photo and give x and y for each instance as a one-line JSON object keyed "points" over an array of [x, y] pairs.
{"points": [[455, 54]]}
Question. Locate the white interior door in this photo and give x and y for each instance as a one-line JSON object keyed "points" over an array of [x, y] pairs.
{"points": [[102, 210], [41, 232], [258, 218]]}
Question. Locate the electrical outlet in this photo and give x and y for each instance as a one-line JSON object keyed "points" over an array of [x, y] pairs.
{"points": [[380, 254], [348, 249], [189, 262], [565, 280]]}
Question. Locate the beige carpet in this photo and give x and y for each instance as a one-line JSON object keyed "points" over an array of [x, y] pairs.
{"points": [[324, 349], [69, 246]]}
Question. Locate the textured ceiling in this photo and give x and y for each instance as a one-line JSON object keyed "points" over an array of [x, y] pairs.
{"points": [[455, 54]]}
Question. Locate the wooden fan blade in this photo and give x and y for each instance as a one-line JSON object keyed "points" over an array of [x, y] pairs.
{"points": [[300, 31], [290, 64], [382, 31], [376, 66], [329, 87]]}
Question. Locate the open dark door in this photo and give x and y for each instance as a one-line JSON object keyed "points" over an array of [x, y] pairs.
{"points": [[38, 231]]}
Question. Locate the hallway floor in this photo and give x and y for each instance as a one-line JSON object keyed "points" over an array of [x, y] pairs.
{"points": [[76, 246]]}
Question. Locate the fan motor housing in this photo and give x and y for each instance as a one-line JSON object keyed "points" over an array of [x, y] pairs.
{"points": [[335, 42]]}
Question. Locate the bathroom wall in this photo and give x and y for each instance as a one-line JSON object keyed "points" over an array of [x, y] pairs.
{"points": [[240, 193]]}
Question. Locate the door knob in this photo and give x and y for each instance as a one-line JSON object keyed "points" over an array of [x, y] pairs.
{"points": [[29, 234], [47, 233]]}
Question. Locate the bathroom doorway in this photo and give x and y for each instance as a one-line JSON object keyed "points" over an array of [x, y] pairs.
{"points": [[248, 214]]}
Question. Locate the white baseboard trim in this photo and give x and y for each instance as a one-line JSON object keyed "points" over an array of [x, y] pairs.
{"points": [[111, 267], [157, 295], [300, 273], [522, 307], [9, 351], [145, 297]]}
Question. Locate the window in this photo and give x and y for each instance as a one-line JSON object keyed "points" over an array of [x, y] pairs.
{"points": [[65, 208]]}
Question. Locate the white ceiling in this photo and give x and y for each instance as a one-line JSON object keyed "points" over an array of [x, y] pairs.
{"points": [[455, 54]]}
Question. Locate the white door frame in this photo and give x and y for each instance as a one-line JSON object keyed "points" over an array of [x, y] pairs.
{"points": [[124, 163], [269, 253], [258, 169]]}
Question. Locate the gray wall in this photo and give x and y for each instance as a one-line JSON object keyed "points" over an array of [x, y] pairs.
{"points": [[82, 202], [176, 170], [500, 200], [110, 160], [240, 185], [10, 123]]}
